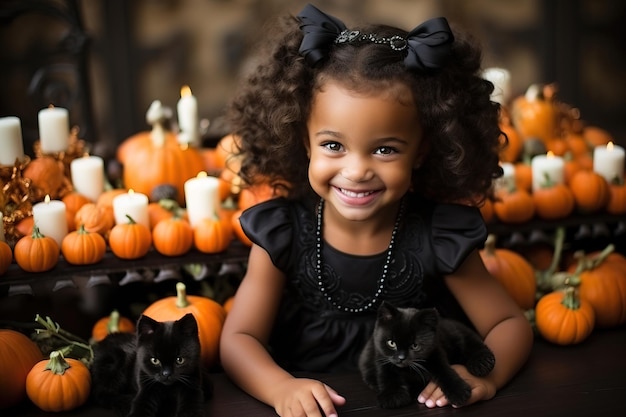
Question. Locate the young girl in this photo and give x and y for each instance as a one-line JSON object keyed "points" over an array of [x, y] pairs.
{"points": [[387, 141]]}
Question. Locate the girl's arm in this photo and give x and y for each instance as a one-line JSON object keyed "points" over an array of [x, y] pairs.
{"points": [[499, 321], [243, 343]]}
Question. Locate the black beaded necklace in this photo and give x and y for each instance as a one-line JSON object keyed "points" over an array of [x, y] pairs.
{"points": [[383, 276]]}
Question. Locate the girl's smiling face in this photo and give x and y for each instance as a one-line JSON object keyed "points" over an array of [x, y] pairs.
{"points": [[363, 147]]}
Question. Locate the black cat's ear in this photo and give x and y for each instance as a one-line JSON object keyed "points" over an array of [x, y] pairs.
{"points": [[430, 317], [386, 311], [146, 325], [188, 324]]}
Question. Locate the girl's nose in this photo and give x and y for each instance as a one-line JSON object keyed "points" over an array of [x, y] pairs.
{"points": [[357, 170]]}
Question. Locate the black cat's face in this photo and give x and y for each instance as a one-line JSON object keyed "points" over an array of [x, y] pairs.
{"points": [[168, 352], [404, 337]]}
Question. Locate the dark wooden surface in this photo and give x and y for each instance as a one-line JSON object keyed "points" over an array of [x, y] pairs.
{"points": [[583, 380]]}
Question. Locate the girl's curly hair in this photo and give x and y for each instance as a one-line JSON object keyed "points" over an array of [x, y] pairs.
{"points": [[459, 121]]}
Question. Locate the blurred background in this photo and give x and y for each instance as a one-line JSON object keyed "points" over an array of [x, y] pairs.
{"points": [[107, 60]]}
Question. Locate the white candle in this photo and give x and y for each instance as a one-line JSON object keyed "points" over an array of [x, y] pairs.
{"points": [[11, 145], [608, 161], [131, 204], [187, 109], [88, 176], [501, 80], [49, 216], [54, 129], [547, 168], [2, 227], [201, 198], [507, 181]]}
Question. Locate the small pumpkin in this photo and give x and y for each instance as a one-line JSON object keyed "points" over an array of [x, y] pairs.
{"points": [[602, 280], [212, 235], [172, 236], [113, 323], [238, 230], [95, 218], [209, 314], [553, 201], [564, 318], [6, 256], [514, 205], [534, 114], [58, 384], [130, 240], [617, 198], [523, 176], [18, 354], [591, 191], [514, 272], [47, 174], [36, 252], [513, 149], [81, 247]]}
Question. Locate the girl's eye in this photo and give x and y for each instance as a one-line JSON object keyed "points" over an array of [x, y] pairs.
{"points": [[333, 146], [391, 344], [180, 360], [155, 361], [416, 347], [385, 150]]}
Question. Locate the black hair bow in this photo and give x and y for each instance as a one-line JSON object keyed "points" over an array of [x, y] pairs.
{"points": [[428, 44]]}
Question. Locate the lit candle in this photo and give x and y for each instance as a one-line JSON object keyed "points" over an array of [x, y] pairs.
{"points": [[54, 129], [507, 181], [131, 204], [187, 109], [49, 216], [88, 176], [547, 168], [501, 80], [11, 145], [608, 161], [201, 198]]}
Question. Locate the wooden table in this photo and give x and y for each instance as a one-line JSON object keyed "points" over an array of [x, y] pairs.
{"points": [[584, 380]]}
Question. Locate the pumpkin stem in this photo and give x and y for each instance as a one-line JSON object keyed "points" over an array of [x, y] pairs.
{"points": [[113, 325], [53, 335], [549, 279], [130, 219], [57, 363], [37, 233], [181, 295], [587, 263], [570, 298], [490, 244]]}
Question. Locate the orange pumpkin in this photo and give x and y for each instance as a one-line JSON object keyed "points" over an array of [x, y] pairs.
{"points": [[154, 158], [591, 191], [113, 323], [172, 236], [130, 240], [47, 174], [228, 304], [74, 201], [83, 248], [553, 201], [95, 218], [238, 230], [486, 210], [564, 318], [58, 384], [523, 176], [18, 354], [534, 115], [209, 315], [514, 272], [212, 236], [513, 149], [6, 256], [602, 280], [514, 206], [597, 136], [617, 199], [36, 252]]}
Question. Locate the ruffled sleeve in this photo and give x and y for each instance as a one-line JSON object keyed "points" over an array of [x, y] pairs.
{"points": [[269, 225], [456, 231]]}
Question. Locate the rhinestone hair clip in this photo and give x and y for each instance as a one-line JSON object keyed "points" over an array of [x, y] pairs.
{"points": [[397, 43]]}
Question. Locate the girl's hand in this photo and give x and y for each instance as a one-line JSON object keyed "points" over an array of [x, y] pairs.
{"points": [[482, 389], [300, 397]]}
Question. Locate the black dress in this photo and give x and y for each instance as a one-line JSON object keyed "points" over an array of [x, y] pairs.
{"points": [[309, 333]]}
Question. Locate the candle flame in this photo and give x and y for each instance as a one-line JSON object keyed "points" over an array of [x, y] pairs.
{"points": [[202, 174], [609, 146], [131, 191], [47, 199], [550, 154], [185, 91]]}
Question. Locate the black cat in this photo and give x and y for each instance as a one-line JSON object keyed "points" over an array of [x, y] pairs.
{"points": [[156, 372], [409, 347]]}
